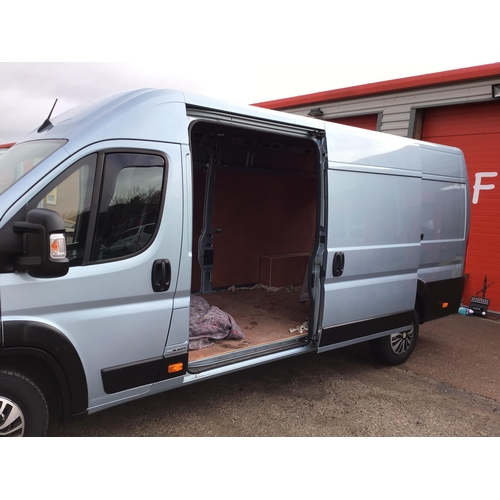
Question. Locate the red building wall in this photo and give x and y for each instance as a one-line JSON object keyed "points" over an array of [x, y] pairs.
{"points": [[475, 129]]}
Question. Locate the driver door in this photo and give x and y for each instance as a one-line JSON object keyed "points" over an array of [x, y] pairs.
{"points": [[122, 211]]}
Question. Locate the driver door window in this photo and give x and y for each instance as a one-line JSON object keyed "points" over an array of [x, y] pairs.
{"points": [[129, 205]]}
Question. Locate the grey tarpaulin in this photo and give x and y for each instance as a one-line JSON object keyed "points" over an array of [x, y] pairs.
{"points": [[207, 324]]}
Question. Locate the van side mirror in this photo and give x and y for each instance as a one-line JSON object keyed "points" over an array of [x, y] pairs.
{"points": [[44, 244]]}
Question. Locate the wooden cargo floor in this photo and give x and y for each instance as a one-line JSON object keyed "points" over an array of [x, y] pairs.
{"points": [[264, 317]]}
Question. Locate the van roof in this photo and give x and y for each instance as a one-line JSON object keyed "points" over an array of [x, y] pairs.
{"points": [[149, 114]]}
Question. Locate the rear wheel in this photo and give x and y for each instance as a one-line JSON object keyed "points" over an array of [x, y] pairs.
{"points": [[396, 348], [23, 409]]}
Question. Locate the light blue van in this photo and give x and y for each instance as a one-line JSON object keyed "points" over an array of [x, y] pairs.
{"points": [[300, 236]]}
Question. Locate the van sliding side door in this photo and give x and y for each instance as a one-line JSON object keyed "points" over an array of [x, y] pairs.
{"points": [[373, 252]]}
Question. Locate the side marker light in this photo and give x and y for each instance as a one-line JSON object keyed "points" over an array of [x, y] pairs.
{"points": [[177, 367]]}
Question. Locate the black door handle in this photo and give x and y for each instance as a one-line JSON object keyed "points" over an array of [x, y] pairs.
{"points": [[160, 275], [338, 264]]}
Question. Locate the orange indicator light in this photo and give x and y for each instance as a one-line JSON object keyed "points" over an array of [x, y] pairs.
{"points": [[177, 367], [444, 305], [57, 246]]}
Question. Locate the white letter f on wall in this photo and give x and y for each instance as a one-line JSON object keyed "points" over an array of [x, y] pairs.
{"points": [[482, 187]]}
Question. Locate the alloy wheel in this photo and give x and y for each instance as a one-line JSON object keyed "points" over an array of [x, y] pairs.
{"points": [[11, 419]]}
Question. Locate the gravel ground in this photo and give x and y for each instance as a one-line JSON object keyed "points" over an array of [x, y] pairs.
{"points": [[449, 387]]}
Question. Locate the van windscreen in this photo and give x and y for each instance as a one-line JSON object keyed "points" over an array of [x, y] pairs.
{"points": [[22, 157]]}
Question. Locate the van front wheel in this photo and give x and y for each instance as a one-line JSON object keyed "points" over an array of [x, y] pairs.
{"points": [[23, 409], [396, 348]]}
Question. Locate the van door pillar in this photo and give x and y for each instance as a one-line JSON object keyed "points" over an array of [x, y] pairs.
{"points": [[205, 242], [317, 263]]}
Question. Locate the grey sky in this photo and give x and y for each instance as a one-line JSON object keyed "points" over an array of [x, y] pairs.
{"points": [[28, 90], [264, 50]]}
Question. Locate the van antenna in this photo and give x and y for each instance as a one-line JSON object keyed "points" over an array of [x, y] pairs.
{"points": [[46, 125]]}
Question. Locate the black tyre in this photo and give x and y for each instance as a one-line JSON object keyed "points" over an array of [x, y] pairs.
{"points": [[23, 409], [396, 348]]}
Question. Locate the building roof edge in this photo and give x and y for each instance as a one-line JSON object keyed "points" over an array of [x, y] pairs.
{"points": [[399, 84]]}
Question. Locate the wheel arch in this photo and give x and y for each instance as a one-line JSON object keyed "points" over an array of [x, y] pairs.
{"points": [[42, 351], [42, 369]]}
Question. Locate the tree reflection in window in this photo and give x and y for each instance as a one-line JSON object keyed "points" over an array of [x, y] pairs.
{"points": [[127, 224]]}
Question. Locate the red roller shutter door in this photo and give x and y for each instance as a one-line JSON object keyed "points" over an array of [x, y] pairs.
{"points": [[364, 121], [475, 129]]}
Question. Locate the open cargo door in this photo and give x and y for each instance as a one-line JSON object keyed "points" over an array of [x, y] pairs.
{"points": [[373, 237]]}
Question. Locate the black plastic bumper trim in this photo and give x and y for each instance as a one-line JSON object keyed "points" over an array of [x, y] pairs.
{"points": [[435, 294], [123, 377], [365, 328]]}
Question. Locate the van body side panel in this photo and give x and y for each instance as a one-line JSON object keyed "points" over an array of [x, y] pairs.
{"points": [[444, 233], [178, 339]]}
